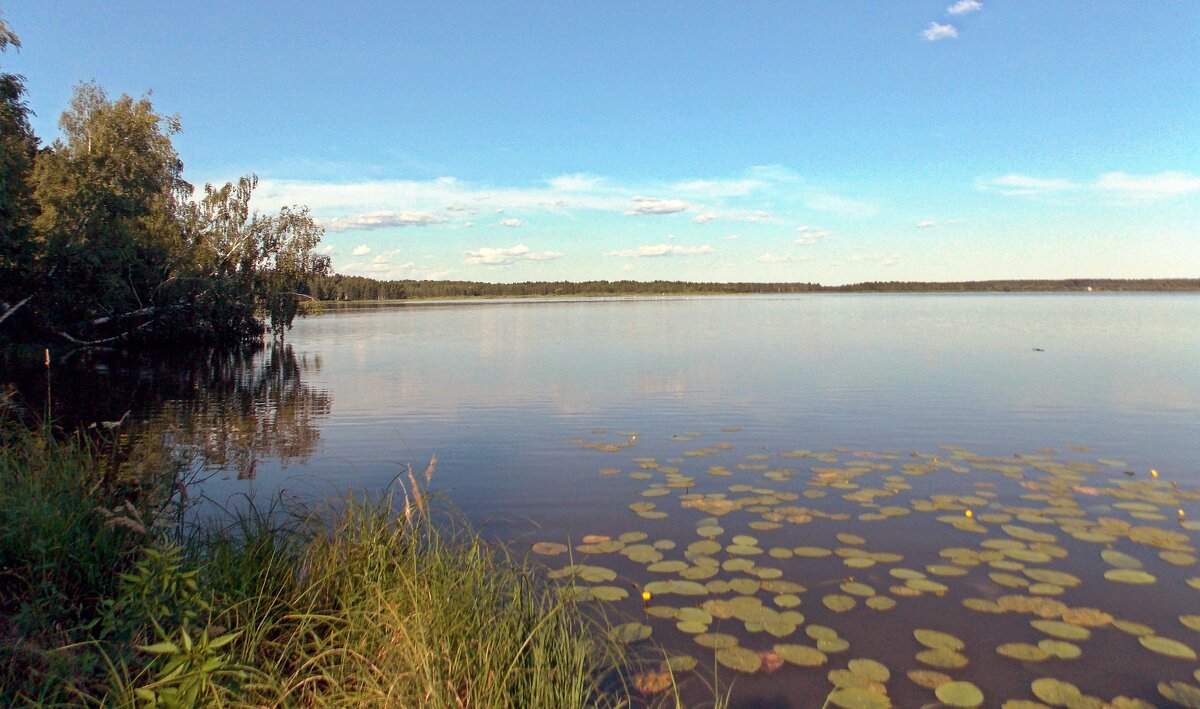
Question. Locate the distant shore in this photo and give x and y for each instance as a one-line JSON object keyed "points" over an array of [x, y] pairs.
{"points": [[338, 288]]}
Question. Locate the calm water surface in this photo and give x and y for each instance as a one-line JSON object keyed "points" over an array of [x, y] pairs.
{"points": [[496, 391], [526, 403]]}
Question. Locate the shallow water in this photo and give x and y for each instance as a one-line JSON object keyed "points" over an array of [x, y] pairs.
{"points": [[526, 403]]}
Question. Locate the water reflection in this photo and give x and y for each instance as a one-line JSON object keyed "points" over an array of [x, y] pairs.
{"points": [[229, 408], [246, 407]]}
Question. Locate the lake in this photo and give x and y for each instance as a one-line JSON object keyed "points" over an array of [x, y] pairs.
{"points": [[970, 464]]}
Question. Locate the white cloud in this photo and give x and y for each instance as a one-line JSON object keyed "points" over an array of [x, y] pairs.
{"points": [[1149, 188], [396, 203], [881, 259], [662, 250], [382, 220], [841, 205], [733, 237], [627, 267], [926, 224], [716, 189], [962, 7], [504, 256], [326, 249], [510, 222], [1017, 185], [936, 31], [810, 234], [575, 183], [361, 250], [1119, 188], [654, 205], [381, 266], [771, 258]]}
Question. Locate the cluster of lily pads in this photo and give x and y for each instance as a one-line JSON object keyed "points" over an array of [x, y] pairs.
{"points": [[737, 590]]}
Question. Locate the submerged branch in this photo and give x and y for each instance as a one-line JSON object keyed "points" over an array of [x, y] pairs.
{"points": [[10, 309]]}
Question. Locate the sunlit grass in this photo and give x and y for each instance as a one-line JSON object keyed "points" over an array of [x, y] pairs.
{"points": [[362, 601]]}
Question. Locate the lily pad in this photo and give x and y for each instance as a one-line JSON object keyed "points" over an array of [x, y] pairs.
{"points": [[608, 593], [855, 588], [683, 588], [1023, 651], [1058, 578], [1120, 559], [628, 633], [1134, 629], [1087, 617], [642, 554], [859, 698], [928, 679], [716, 641], [1061, 649], [692, 627], [870, 669], [881, 603], [802, 655], [740, 659], [1167, 647], [678, 663], [787, 600], [937, 640], [946, 570], [1181, 693], [839, 603], [944, 659], [594, 574], [1134, 577], [959, 694], [667, 567], [1055, 692], [927, 585]]}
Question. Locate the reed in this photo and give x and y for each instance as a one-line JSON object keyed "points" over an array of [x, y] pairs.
{"points": [[384, 600]]}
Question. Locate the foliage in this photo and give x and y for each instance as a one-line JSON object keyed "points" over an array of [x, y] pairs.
{"points": [[102, 242], [18, 146], [339, 287], [72, 517], [367, 601]]}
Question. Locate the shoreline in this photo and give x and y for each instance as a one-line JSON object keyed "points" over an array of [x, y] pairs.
{"points": [[617, 297]]}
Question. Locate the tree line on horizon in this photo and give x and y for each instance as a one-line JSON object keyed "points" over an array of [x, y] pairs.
{"points": [[101, 241], [338, 287]]}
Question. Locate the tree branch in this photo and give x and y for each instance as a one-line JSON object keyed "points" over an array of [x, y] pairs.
{"points": [[9, 310], [105, 340]]}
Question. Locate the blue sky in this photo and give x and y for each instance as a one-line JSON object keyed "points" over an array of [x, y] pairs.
{"points": [[768, 141]]}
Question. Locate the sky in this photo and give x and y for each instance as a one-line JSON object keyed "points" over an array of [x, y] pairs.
{"points": [[830, 142]]}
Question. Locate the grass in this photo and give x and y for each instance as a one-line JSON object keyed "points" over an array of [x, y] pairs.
{"points": [[106, 599]]}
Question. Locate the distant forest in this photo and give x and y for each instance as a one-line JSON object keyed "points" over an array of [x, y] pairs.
{"points": [[339, 287]]}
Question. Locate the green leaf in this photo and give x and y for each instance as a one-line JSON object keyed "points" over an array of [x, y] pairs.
{"points": [[163, 648], [224, 640]]}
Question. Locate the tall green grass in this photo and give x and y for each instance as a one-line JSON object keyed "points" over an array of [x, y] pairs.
{"points": [[365, 601]]}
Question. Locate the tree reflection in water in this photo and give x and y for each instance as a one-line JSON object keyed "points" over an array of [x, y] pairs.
{"points": [[226, 409], [244, 407]]}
